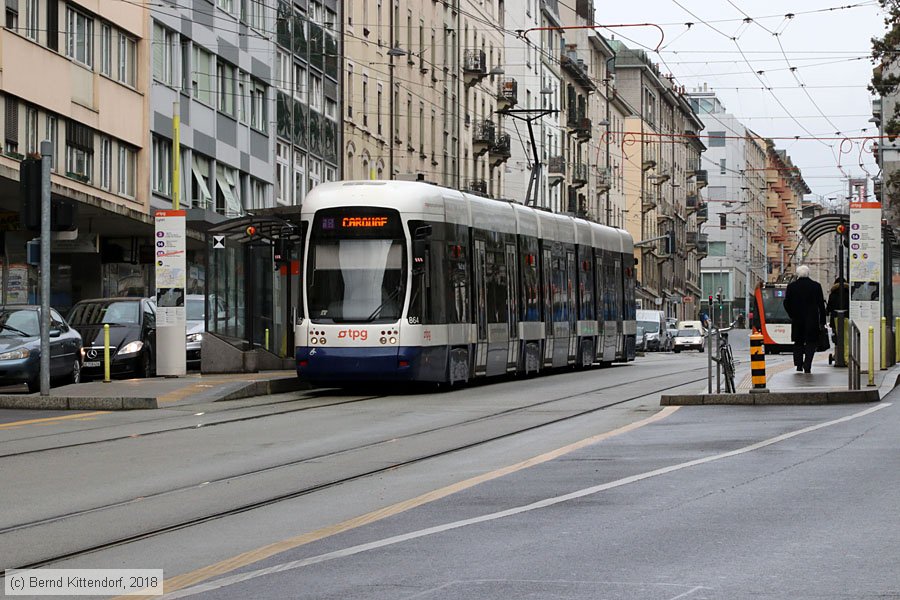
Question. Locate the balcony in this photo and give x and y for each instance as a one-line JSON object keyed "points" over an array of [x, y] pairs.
{"points": [[556, 170], [483, 137], [648, 203], [691, 238], [580, 126], [575, 67], [604, 180], [703, 244], [507, 93], [692, 202], [579, 175], [702, 178], [477, 186], [702, 213], [474, 66], [500, 150]]}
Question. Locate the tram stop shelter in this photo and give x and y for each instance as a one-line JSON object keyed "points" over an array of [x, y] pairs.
{"points": [[252, 289]]}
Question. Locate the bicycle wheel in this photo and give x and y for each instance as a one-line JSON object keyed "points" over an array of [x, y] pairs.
{"points": [[728, 368]]}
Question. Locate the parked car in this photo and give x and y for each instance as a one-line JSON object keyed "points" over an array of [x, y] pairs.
{"points": [[653, 322], [640, 340], [689, 339], [20, 347], [195, 327], [132, 335]]}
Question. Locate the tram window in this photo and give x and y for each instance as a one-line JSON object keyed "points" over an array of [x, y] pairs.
{"points": [[585, 288], [495, 275], [570, 287], [512, 291], [560, 301], [459, 284], [620, 290], [480, 290], [773, 303], [547, 283], [356, 280], [531, 303]]}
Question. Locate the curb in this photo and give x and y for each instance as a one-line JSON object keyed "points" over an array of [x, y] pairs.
{"points": [[232, 391], [773, 398]]}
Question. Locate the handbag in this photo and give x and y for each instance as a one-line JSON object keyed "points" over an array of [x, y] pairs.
{"points": [[823, 343]]}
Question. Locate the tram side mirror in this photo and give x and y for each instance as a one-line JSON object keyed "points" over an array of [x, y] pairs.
{"points": [[422, 232]]}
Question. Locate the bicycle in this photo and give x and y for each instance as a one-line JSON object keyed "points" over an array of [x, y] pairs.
{"points": [[726, 360]]}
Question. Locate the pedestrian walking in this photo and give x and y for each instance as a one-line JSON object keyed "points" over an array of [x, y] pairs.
{"points": [[804, 302], [838, 304]]}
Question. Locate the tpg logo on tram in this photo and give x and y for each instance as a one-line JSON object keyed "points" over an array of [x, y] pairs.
{"points": [[354, 334]]}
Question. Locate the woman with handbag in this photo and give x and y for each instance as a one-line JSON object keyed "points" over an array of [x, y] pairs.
{"points": [[804, 302]]}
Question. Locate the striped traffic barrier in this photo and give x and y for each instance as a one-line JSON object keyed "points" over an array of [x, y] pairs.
{"points": [[757, 363]]}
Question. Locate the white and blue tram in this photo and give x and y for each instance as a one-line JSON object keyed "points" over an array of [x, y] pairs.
{"points": [[414, 282]]}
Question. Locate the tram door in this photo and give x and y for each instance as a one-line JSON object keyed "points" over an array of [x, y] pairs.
{"points": [[571, 290], [547, 286], [512, 307], [481, 343]]}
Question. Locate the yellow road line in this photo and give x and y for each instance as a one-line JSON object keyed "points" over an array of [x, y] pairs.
{"points": [[49, 420], [251, 556]]}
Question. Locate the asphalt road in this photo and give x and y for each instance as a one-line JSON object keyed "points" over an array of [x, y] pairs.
{"points": [[463, 494]]}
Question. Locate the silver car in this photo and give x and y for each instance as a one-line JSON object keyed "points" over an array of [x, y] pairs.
{"points": [[195, 327], [689, 339]]}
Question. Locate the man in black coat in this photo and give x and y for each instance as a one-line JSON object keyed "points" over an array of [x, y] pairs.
{"points": [[805, 305]]}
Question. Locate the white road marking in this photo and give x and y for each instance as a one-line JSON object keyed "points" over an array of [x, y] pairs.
{"points": [[398, 539], [688, 593]]}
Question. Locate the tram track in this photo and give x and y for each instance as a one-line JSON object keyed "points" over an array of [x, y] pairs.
{"points": [[249, 506]]}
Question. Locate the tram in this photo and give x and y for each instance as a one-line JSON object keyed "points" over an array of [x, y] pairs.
{"points": [[771, 319], [409, 281]]}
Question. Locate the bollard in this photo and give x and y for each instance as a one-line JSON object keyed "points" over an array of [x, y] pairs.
{"points": [[267, 338], [871, 356], [106, 353], [883, 364], [896, 339], [757, 363]]}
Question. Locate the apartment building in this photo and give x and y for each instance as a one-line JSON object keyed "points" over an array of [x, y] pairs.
{"points": [[423, 82], [76, 73], [663, 178], [785, 189], [736, 163]]}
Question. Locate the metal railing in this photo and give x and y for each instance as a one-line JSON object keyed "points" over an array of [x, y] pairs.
{"points": [[853, 356]]}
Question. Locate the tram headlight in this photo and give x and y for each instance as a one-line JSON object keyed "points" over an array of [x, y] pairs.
{"points": [[383, 340], [313, 341], [393, 340]]}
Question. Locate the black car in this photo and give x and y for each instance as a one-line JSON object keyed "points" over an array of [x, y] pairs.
{"points": [[20, 347], [132, 335]]}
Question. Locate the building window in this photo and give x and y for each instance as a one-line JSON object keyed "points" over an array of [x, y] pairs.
{"points": [[282, 173], [258, 118], [722, 168], [200, 194], [201, 76], [228, 198], [51, 137], [226, 5], [165, 54], [716, 139], [299, 177], [12, 16], [32, 19], [127, 165], [127, 61], [11, 145], [79, 151], [106, 50], [105, 163], [299, 82], [283, 71], [378, 102], [257, 193], [349, 96], [315, 173], [242, 96], [315, 92], [80, 37], [31, 131], [330, 174], [330, 109], [365, 100], [226, 80], [161, 168], [256, 14]]}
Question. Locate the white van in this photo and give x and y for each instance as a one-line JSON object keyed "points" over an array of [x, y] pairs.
{"points": [[656, 335], [692, 325]]}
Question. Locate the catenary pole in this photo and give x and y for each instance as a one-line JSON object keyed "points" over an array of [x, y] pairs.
{"points": [[46, 159]]}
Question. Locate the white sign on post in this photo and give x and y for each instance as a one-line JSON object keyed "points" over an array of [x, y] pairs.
{"points": [[170, 259], [865, 274]]}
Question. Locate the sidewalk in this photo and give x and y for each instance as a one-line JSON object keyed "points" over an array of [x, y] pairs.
{"points": [[157, 392], [825, 385]]}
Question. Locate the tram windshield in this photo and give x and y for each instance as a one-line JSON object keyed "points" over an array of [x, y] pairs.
{"points": [[356, 267], [773, 305]]}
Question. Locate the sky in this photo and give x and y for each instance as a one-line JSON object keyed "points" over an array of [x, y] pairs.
{"points": [[815, 66]]}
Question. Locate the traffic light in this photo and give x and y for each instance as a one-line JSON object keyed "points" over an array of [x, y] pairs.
{"points": [[250, 231], [718, 297], [63, 213], [30, 188], [841, 230], [710, 299]]}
